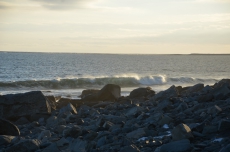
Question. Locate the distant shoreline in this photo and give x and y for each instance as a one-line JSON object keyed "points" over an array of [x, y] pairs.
{"points": [[112, 53]]}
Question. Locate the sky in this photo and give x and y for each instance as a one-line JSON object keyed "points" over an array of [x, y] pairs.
{"points": [[115, 26]]}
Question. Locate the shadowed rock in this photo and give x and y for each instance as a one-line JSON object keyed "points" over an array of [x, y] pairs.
{"points": [[8, 128], [13, 106], [140, 92]]}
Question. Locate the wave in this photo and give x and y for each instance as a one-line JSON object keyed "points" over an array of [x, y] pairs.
{"points": [[123, 81]]}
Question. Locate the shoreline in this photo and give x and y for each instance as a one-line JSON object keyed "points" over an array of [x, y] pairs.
{"points": [[176, 119]]}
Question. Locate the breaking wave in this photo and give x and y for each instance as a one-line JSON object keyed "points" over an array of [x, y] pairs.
{"points": [[123, 81]]}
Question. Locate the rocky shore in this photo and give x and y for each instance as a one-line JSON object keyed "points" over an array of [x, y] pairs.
{"points": [[179, 119]]}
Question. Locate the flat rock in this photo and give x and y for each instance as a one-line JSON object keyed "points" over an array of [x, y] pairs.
{"points": [[8, 128], [181, 131], [14, 106]]}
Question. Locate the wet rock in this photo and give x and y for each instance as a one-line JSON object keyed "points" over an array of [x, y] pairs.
{"points": [[134, 111], [165, 120], [14, 106], [181, 131], [130, 148], [8, 128], [140, 92], [136, 134], [176, 146], [209, 129], [25, 145]]}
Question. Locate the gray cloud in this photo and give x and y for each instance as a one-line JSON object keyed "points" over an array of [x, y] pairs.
{"points": [[63, 4]]}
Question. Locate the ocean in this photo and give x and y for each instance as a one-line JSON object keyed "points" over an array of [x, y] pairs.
{"points": [[67, 74]]}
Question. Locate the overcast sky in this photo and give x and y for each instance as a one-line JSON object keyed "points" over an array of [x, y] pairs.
{"points": [[115, 26]]}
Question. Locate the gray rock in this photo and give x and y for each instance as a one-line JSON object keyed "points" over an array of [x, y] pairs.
{"points": [[209, 129], [169, 93], [25, 145], [130, 148], [107, 125], [88, 92], [221, 92], [136, 133], [5, 140], [181, 131], [18, 105], [165, 120], [176, 146], [8, 128]]}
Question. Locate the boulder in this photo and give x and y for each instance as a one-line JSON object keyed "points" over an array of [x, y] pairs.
{"points": [[74, 131], [169, 93], [140, 92], [176, 146], [8, 128], [221, 92], [5, 140], [14, 106], [25, 145], [68, 108], [195, 88], [109, 92], [52, 102], [88, 92], [181, 131]]}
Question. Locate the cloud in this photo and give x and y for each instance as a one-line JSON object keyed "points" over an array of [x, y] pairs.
{"points": [[64, 4]]}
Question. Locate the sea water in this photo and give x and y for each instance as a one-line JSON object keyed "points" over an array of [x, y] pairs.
{"points": [[67, 74]]}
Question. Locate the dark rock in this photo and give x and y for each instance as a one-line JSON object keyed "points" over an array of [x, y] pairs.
{"points": [[8, 128], [130, 148], [101, 141], [195, 88], [22, 121], [109, 92], [68, 108], [205, 98], [51, 147], [209, 129], [88, 92], [136, 133], [221, 92], [134, 111], [25, 145], [62, 102], [165, 120], [226, 148], [224, 125], [181, 131], [54, 121], [103, 104], [74, 131], [78, 145], [169, 93], [52, 102], [5, 140], [176, 146], [14, 106], [140, 92]]}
